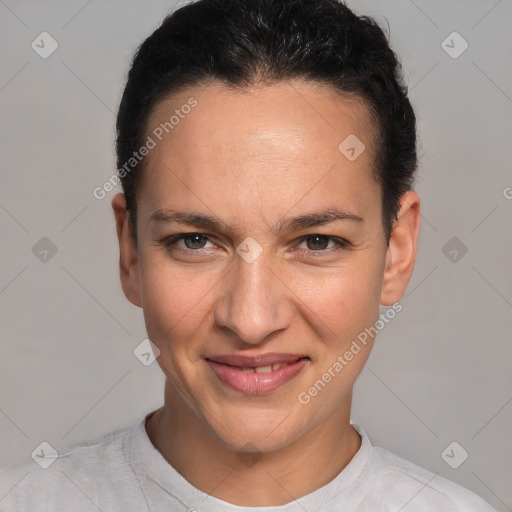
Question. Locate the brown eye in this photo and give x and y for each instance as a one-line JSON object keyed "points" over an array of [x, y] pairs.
{"points": [[320, 243], [317, 242], [191, 241], [194, 240]]}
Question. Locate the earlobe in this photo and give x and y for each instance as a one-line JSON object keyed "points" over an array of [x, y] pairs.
{"points": [[401, 251], [128, 255]]}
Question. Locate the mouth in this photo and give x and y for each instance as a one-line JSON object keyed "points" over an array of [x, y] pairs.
{"points": [[257, 375]]}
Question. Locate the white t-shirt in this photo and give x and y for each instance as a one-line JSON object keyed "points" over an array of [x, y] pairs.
{"points": [[122, 471]]}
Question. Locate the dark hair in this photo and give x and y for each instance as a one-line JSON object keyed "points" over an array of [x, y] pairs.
{"points": [[240, 43]]}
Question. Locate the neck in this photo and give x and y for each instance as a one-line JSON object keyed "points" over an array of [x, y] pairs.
{"points": [[251, 478]]}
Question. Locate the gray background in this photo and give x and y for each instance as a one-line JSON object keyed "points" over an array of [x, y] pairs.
{"points": [[440, 371]]}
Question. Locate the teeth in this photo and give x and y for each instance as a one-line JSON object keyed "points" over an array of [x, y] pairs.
{"points": [[263, 369]]}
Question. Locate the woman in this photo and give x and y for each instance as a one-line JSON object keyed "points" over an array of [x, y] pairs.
{"points": [[267, 152]]}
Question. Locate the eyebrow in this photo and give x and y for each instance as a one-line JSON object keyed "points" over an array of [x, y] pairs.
{"points": [[208, 222]]}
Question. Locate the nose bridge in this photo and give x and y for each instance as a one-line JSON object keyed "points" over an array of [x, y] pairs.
{"points": [[254, 303]]}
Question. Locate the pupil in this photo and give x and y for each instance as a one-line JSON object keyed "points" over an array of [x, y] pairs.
{"points": [[321, 238], [196, 239]]}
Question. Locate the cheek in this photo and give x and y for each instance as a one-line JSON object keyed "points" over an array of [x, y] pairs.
{"points": [[175, 303], [345, 299]]}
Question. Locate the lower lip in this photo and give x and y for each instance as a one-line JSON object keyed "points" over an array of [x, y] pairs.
{"points": [[256, 383]]}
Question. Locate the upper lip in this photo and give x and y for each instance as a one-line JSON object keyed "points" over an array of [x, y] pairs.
{"points": [[244, 361]]}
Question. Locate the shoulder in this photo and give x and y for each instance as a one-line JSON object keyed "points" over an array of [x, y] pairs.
{"points": [[411, 487], [78, 475]]}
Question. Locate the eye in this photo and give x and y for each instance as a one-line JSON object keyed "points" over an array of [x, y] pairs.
{"points": [[192, 241], [196, 242], [320, 243]]}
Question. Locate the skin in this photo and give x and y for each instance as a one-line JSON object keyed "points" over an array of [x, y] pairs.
{"points": [[254, 158]]}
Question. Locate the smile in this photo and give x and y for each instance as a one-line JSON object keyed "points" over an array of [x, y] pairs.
{"points": [[257, 375]]}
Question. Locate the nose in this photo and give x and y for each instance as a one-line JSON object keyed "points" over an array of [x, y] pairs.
{"points": [[255, 302]]}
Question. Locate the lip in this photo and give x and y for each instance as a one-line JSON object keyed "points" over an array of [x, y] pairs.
{"points": [[228, 369], [244, 361]]}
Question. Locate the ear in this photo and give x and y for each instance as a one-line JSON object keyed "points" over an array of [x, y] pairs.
{"points": [[128, 256], [401, 251]]}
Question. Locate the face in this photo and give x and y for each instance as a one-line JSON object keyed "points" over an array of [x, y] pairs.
{"points": [[260, 244]]}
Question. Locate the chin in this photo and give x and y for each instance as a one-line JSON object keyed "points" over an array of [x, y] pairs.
{"points": [[263, 429]]}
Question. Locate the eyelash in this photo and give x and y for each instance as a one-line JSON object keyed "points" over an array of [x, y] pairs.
{"points": [[341, 244]]}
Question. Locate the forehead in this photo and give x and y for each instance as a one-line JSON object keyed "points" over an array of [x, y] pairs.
{"points": [[292, 111], [259, 145]]}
